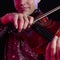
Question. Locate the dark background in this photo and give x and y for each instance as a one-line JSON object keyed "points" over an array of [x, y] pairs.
{"points": [[45, 5]]}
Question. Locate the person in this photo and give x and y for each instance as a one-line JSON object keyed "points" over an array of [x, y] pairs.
{"points": [[26, 44]]}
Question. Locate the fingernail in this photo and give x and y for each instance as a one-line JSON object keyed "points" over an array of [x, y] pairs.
{"points": [[58, 32]]}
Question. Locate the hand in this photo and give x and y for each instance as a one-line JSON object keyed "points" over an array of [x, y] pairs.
{"points": [[20, 21], [53, 48]]}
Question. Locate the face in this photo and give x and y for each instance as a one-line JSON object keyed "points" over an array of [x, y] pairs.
{"points": [[25, 6]]}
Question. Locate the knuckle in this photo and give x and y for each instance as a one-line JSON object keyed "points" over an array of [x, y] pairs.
{"points": [[20, 14], [26, 19], [32, 18], [15, 14]]}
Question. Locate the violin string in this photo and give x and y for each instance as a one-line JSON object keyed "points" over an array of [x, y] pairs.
{"points": [[46, 14]]}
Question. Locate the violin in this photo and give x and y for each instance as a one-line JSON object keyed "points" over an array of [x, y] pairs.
{"points": [[40, 29], [35, 26]]}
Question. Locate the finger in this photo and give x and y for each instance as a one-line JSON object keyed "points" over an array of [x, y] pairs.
{"points": [[53, 48], [20, 23], [15, 21], [31, 20], [26, 22], [47, 56], [58, 49]]}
